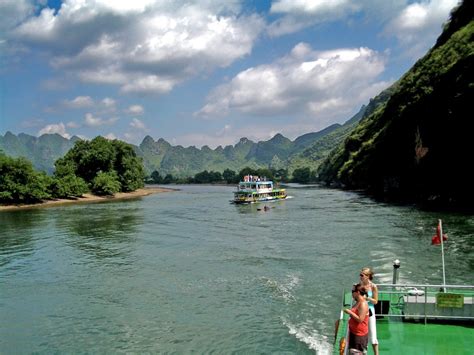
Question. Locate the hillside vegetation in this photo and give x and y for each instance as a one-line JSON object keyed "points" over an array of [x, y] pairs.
{"points": [[416, 146], [306, 151]]}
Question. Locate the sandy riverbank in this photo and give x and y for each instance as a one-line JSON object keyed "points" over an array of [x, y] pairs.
{"points": [[89, 198]]}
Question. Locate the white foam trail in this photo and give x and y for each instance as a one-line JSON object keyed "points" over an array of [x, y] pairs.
{"points": [[315, 341], [285, 290]]}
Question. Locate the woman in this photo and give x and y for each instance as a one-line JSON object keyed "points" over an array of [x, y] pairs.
{"points": [[359, 321], [366, 276]]}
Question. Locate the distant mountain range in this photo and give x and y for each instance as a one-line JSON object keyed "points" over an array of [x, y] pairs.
{"points": [[279, 152]]}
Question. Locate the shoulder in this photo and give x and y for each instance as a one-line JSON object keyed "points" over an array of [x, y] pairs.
{"points": [[374, 286]]}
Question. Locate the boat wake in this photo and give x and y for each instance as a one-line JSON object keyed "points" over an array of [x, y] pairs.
{"points": [[283, 290], [306, 334]]}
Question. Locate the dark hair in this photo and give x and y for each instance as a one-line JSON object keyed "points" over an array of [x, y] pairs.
{"points": [[359, 288]]}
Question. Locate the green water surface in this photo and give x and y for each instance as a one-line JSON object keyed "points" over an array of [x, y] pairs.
{"points": [[188, 272]]}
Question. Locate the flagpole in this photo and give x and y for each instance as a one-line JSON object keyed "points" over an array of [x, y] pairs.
{"points": [[442, 253]]}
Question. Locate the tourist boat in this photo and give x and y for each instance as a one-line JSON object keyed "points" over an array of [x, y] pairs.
{"points": [[255, 189], [417, 319]]}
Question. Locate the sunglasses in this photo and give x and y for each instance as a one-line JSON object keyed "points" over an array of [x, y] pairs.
{"points": [[362, 275]]}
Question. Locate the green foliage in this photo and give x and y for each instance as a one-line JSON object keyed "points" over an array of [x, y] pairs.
{"points": [[303, 175], [206, 177], [425, 111], [229, 176], [156, 178], [88, 159], [68, 186], [20, 183], [128, 166], [106, 183]]}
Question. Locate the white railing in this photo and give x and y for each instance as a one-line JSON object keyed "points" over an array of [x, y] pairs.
{"points": [[420, 301]]}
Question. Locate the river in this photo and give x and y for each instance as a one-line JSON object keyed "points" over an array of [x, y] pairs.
{"points": [[188, 272]]}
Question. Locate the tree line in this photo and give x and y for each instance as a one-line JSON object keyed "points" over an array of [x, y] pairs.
{"points": [[99, 166], [300, 175]]}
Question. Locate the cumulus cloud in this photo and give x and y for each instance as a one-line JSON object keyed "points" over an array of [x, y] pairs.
{"points": [[144, 47], [419, 24], [298, 14], [14, 12], [137, 124], [108, 102], [58, 128], [323, 84], [79, 102], [91, 121], [415, 24], [135, 110]]}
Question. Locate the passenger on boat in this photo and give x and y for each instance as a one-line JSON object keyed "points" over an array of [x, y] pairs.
{"points": [[359, 321], [366, 277]]}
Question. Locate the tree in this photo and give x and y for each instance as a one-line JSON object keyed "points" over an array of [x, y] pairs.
{"points": [[68, 186], [156, 177], [20, 183], [229, 176], [105, 184], [128, 166], [88, 159], [302, 175]]}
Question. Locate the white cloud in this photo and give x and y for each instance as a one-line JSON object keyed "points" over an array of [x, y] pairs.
{"points": [[299, 14], [415, 24], [110, 136], [141, 46], [137, 124], [419, 24], [58, 128], [91, 121], [79, 102], [135, 110], [14, 12], [325, 85], [108, 102]]}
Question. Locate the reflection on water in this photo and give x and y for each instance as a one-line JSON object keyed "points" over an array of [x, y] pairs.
{"points": [[17, 233], [102, 231]]}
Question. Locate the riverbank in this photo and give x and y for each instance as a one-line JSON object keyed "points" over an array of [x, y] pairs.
{"points": [[89, 198]]}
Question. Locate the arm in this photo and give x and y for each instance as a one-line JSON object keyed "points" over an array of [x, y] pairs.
{"points": [[375, 295]]}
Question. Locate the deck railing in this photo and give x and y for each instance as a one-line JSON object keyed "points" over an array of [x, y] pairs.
{"points": [[426, 302]]}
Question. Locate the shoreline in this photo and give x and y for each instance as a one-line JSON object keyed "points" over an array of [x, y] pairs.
{"points": [[89, 198]]}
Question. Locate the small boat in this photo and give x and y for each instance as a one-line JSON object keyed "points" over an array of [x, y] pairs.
{"points": [[255, 189]]}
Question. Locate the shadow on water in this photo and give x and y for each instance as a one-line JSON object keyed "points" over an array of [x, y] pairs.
{"points": [[18, 233], [102, 231]]}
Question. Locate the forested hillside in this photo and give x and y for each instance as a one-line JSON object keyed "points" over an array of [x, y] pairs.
{"points": [[278, 153], [417, 145]]}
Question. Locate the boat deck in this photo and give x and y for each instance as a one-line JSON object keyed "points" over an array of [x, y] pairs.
{"points": [[408, 324]]}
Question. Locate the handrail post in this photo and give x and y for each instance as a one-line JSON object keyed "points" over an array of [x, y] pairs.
{"points": [[426, 301]]}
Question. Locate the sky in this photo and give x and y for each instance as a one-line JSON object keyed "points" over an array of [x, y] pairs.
{"points": [[203, 72]]}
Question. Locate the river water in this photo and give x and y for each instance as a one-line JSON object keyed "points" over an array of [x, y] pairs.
{"points": [[187, 272]]}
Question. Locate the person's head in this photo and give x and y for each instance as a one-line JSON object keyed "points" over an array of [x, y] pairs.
{"points": [[358, 289], [366, 273]]}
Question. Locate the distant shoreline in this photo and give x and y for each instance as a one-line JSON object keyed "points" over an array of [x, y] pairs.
{"points": [[89, 198]]}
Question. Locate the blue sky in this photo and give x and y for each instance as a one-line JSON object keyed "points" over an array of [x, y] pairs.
{"points": [[203, 72]]}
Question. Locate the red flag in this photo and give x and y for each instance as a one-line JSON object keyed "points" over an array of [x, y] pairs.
{"points": [[436, 239]]}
